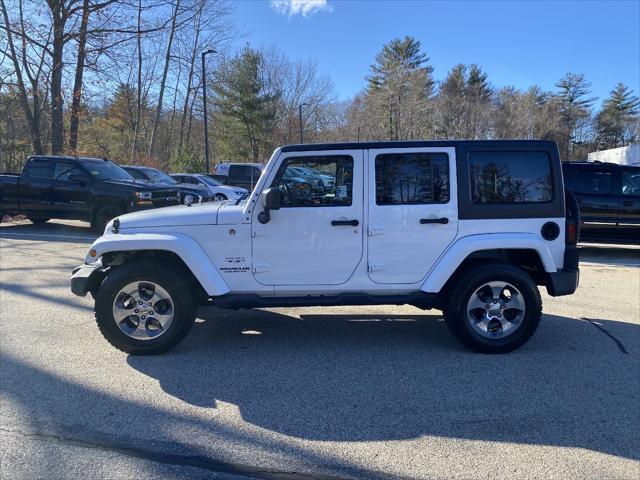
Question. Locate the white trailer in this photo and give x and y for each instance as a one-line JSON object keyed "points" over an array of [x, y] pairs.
{"points": [[629, 155]]}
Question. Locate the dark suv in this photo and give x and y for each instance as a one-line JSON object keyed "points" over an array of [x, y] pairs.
{"points": [[609, 198]]}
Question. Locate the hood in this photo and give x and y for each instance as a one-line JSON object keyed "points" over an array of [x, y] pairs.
{"points": [[229, 188], [179, 215], [142, 184]]}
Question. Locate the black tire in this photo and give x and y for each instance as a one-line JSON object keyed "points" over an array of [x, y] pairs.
{"points": [[220, 197], [103, 216], [184, 307], [38, 220], [455, 313]]}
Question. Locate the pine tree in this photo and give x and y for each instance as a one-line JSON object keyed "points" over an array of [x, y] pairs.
{"points": [[575, 109], [617, 123], [245, 111], [399, 85]]}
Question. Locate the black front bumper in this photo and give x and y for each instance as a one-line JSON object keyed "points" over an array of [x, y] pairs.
{"points": [[87, 278]]}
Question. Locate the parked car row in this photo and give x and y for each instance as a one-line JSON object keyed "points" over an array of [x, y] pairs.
{"points": [[97, 190]]}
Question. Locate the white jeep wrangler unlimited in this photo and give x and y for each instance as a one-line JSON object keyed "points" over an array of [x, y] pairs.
{"points": [[468, 227]]}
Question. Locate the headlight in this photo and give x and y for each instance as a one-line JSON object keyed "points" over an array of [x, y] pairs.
{"points": [[143, 195], [239, 192], [142, 198]]}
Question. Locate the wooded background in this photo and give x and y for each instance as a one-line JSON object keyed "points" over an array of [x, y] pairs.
{"points": [[122, 79]]}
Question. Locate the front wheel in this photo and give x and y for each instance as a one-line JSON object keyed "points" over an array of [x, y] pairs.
{"points": [[143, 309], [494, 309], [103, 216], [220, 197]]}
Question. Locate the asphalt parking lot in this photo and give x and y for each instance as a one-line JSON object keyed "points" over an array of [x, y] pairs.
{"points": [[380, 392]]}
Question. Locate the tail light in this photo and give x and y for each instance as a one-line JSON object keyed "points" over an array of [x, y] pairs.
{"points": [[571, 232]]}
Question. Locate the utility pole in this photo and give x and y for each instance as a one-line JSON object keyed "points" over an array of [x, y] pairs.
{"points": [[300, 117], [204, 99]]}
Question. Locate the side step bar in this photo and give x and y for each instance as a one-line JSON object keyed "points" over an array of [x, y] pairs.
{"points": [[235, 301]]}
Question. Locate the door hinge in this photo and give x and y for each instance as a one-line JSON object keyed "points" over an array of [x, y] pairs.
{"points": [[375, 230], [375, 267], [260, 269], [258, 232]]}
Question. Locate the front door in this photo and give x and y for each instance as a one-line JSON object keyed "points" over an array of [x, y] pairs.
{"points": [[316, 237], [413, 214], [71, 199]]}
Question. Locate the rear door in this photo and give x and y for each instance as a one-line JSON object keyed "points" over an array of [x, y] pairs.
{"points": [[629, 216], [594, 188], [35, 188], [413, 214]]}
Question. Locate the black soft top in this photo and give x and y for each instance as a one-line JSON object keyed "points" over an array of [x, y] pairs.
{"points": [[310, 147]]}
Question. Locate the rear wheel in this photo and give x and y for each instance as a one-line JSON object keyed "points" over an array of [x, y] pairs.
{"points": [[143, 309], [494, 309], [38, 220], [103, 216], [220, 197]]}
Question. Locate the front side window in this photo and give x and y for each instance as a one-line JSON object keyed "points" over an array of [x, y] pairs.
{"points": [[630, 183], [593, 181], [319, 181], [412, 178], [105, 170], [510, 177], [62, 170]]}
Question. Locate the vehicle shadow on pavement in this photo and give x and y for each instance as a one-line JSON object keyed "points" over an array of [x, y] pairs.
{"points": [[337, 377], [50, 232], [610, 254], [53, 409]]}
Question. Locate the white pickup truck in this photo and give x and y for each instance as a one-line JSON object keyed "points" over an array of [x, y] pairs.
{"points": [[468, 227]]}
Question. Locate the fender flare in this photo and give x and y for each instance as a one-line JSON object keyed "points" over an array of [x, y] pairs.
{"points": [[457, 252], [182, 245]]}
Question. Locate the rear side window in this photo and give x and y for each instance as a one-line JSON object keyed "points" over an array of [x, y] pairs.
{"points": [[412, 178], [597, 181], [510, 177], [39, 170]]}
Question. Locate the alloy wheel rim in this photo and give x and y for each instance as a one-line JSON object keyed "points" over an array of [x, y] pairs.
{"points": [[143, 310], [496, 310]]}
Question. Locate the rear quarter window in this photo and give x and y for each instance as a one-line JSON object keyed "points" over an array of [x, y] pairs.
{"points": [[504, 177]]}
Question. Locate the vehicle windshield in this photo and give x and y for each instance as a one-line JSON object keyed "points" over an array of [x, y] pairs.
{"points": [[209, 181], [158, 175], [105, 170]]}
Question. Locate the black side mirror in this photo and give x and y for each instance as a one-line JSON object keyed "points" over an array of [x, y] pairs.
{"points": [[271, 200], [77, 178]]}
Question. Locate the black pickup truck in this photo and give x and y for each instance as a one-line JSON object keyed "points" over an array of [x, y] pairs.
{"points": [[78, 188], [608, 195]]}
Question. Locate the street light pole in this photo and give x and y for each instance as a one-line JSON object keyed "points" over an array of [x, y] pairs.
{"points": [[204, 100], [300, 117]]}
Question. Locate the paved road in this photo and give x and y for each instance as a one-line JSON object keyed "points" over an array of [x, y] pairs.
{"points": [[382, 392]]}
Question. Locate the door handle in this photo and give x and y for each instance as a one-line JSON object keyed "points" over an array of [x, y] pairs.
{"points": [[443, 220], [350, 223]]}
